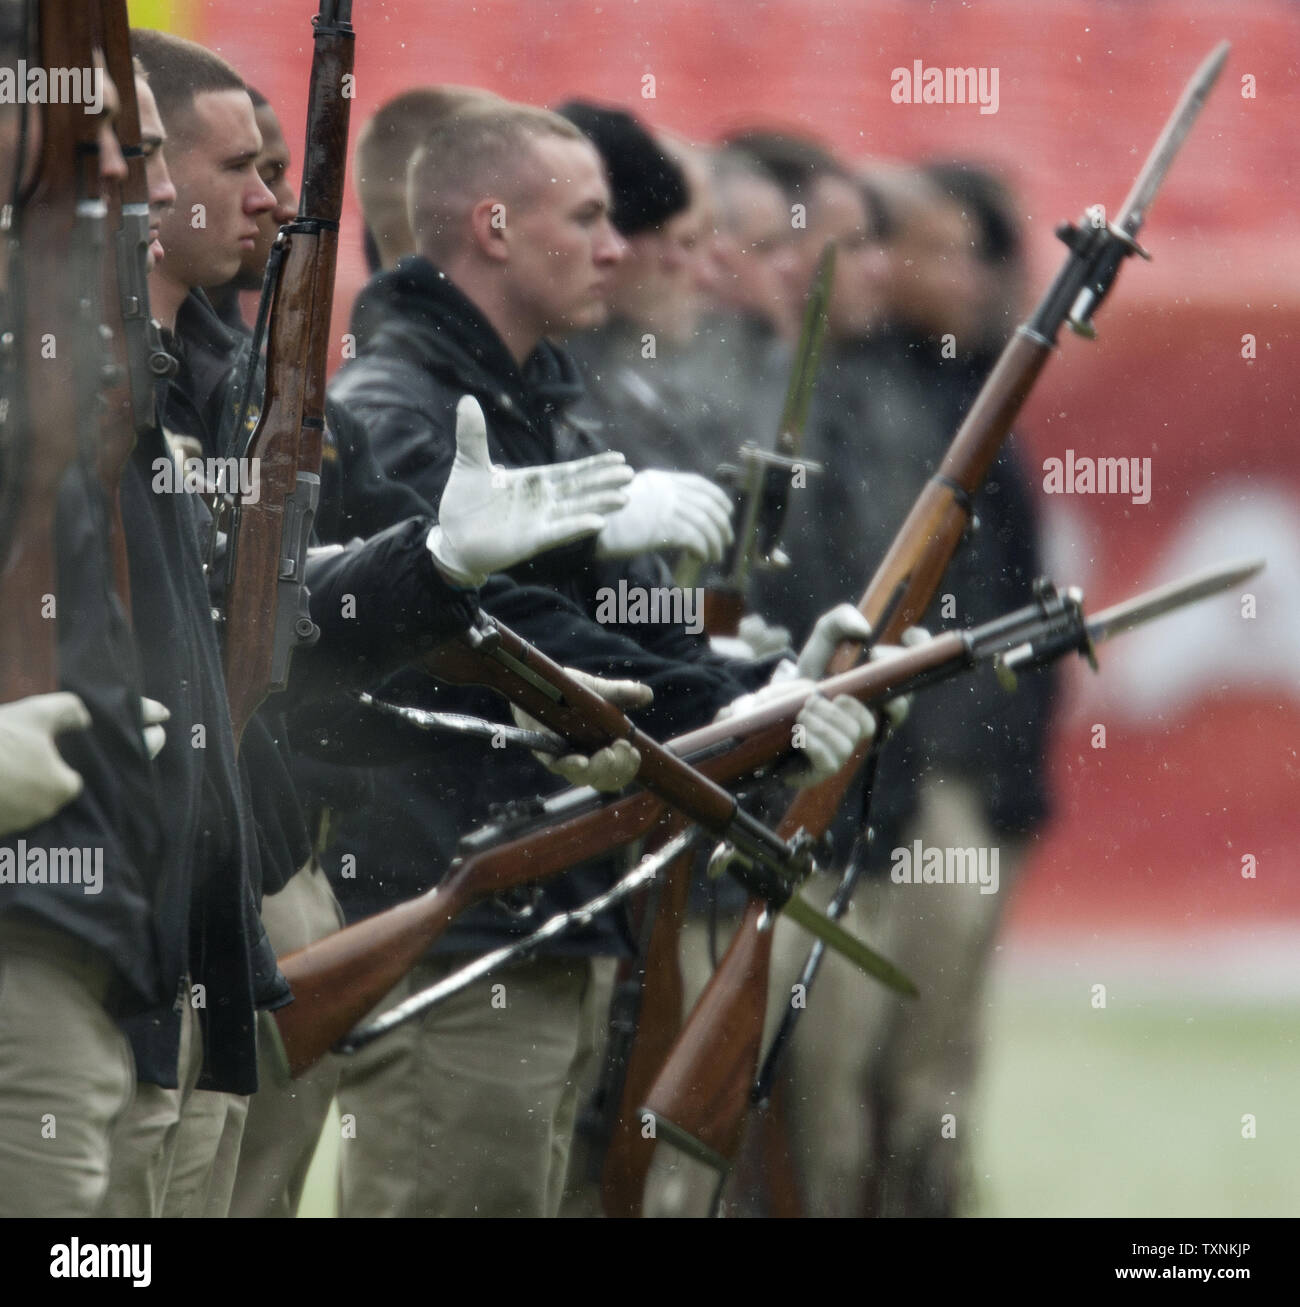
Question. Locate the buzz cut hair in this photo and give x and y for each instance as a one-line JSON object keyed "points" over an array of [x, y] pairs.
{"points": [[383, 156], [178, 71], [478, 153]]}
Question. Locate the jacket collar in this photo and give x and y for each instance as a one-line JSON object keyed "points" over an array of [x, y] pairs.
{"points": [[416, 311]]}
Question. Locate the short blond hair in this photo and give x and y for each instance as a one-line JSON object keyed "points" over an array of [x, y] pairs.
{"points": [[479, 152], [383, 155]]}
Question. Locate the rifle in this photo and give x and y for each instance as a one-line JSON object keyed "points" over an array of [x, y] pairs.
{"points": [[702, 1093], [266, 599], [762, 480], [138, 356], [1044, 631], [339, 979], [1027, 639], [647, 1008], [48, 416]]}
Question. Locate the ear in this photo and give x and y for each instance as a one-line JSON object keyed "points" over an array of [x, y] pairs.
{"points": [[489, 223]]}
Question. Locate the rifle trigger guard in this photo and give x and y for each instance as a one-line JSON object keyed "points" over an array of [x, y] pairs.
{"points": [[521, 902]]}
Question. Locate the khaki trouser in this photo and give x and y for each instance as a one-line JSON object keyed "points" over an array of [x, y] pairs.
{"points": [[882, 1087], [581, 1197], [147, 1137], [207, 1154], [66, 1073], [469, 1110], [285, 1117]]}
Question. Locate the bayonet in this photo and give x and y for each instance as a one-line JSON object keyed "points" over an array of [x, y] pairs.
{"points": [[1030, 637], [1123, 232], [761, 480], [478, 728], [641, 875]]}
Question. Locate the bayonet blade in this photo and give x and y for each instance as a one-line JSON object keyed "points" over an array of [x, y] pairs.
{"points": [[834, 936], [1149, 180], [1166, 598], [803, 369], [642, 874], [1134, 212], [454, 723]]}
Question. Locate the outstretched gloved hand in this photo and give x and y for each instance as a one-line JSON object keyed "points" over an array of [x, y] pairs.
{"points": [[35, 782], [490, 518], [610, 768], [669, 510]]}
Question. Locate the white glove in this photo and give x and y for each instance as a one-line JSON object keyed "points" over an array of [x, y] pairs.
{"points": [[846, 623], [897, 709], [669, 510], [754, 638], [35, 782], [843, 622], [155, 735], [831, 729], [491, 518], [611, 768]]}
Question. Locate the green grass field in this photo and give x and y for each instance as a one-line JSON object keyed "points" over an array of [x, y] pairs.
{"points": [[1137, 1110], [1134, 1110]]}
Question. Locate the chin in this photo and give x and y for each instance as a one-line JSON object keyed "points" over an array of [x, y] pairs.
{"points": [[595, 315]]}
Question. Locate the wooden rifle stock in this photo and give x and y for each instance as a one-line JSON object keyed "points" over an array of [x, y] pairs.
{"points": [[47, 422], [656, 1019], [723, 610], [266, 606], [338, 980]]}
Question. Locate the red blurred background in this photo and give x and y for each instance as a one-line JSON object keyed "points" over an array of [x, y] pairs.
{"points": [[1202, 717]]}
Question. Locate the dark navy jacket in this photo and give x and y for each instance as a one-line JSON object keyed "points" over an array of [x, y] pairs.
{"points": [[421, 346]]}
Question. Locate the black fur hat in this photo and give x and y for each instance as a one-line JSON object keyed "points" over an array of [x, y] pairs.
{"points": [[648, 187]]}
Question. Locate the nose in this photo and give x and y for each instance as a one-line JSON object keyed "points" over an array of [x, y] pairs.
{"points": [[259, 199], [112, 165], [612, 247], [784, 261], [162, 194]]}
